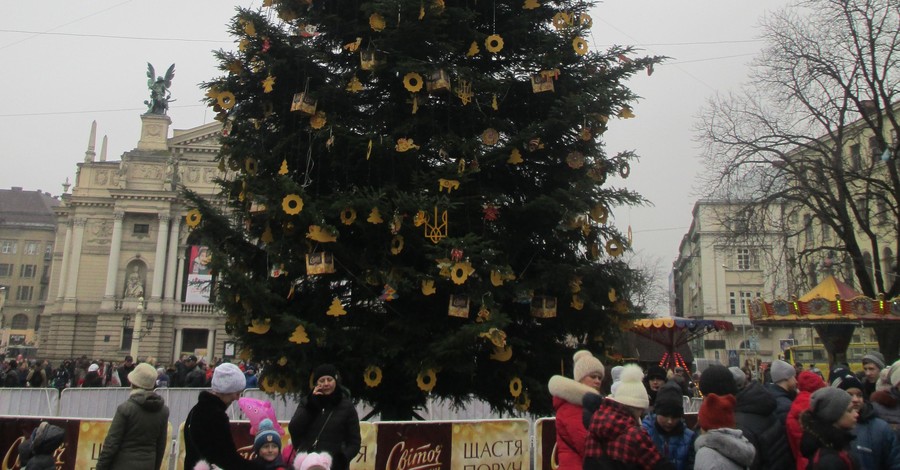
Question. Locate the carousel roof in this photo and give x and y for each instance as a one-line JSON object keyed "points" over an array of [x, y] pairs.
{"points": [[832, 301], [830, 289]]}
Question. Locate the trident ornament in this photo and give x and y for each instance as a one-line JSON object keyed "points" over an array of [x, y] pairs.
{"points": [[435, 232]]}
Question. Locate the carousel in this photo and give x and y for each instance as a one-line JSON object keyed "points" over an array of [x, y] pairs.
{"points": [[675, 333], [834, 310]]}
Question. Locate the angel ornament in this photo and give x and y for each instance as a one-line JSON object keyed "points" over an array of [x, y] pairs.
{"points": [[159, 90]]}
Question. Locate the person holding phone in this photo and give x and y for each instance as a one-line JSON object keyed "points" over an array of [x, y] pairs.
{"points": [[326, 420]]}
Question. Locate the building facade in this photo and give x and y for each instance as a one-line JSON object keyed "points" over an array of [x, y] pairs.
{"points": [[124, 277], [715, 277], [27, 237]]}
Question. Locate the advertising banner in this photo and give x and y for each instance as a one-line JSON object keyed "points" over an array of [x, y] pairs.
{"points": [[199, 277], [463, 445], [79, 451]]}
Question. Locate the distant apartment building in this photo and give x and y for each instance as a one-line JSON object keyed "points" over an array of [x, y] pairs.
{"points": [[27, 236], [127, 277]]}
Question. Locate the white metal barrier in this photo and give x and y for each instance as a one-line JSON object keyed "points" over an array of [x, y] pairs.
{"points": [[91, 402], [102, 403], [29, 401]]}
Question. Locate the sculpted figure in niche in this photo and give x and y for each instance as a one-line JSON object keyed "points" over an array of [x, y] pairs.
{"points": [[134, 284]]}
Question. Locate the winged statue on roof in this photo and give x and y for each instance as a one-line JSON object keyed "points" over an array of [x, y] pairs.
{"points": [[159, 90]]}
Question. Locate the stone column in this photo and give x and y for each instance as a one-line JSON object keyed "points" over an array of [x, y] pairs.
{"points": [[63, 270], [210, 345], [179, 276], [75, 261], [176, 350], [172, 260], [159, 262], [115, 250]]}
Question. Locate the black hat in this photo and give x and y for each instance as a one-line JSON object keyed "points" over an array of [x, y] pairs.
{"points": [[192, 358], [325, 369], [717, 379], [844, 379], [656, 372], [669, 401]]}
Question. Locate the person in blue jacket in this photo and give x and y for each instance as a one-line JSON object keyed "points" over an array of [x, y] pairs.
{"points": [[667, 428], [876, 445]]}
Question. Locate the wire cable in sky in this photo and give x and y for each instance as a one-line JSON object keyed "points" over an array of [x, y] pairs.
{"points": [[107, 36], [55, 113], [5, 46]]}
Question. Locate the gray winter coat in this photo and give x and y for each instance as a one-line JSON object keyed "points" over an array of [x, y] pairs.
{"points": [[723, 449], [137, 435]]}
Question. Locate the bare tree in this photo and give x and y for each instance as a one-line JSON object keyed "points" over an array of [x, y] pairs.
{"points": [[810, 145]]}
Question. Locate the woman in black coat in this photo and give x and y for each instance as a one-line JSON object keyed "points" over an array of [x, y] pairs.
{"points": [[326, 420]]}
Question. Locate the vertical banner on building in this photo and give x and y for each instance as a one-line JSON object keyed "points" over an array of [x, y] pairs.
{"points": [[199, 277], [545, 457], [80, 448]]}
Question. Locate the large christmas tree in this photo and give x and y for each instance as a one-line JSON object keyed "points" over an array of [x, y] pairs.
{"points": [[416, 191]]}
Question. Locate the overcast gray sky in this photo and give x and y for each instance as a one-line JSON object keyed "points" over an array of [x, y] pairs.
{"points": [[67, 63]]}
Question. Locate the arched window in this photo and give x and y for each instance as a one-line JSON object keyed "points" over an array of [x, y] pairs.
{"points": [[20, 322]]}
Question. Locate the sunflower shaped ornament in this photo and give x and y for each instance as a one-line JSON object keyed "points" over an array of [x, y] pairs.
{"points": [[426, 380], [372, 376]]}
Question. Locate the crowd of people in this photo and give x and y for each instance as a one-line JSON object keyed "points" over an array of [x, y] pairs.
{"points": [[324, 429], [188, 371], [783, 418]]}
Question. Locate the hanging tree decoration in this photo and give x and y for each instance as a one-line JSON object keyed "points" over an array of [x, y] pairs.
{"points": [[372, 376], [464, 91], [580, 46], [376, 22], [493, 43], [336, 309], [268, 84], [473, 49], [426, 380], [459, 306], [299, 335], [437, 230], [321, 234], [260, 326]]}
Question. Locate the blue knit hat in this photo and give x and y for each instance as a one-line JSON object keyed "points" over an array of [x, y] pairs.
{"points": [[266, 434]]}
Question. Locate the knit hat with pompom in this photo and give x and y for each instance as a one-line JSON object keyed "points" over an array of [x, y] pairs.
{"points": [[586, 364], [631, 391]]}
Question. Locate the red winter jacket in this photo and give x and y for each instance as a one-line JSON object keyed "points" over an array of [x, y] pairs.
{"points": [[570, 431], [794, 429]]}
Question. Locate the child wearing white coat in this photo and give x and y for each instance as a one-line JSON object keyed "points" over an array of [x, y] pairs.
{"points": [[721, 446]]}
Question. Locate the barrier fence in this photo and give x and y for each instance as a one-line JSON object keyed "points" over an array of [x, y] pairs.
{"points": [[477, 442], [481, 443]]}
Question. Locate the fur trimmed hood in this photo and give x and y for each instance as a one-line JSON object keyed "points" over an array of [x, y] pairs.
{"points": [[569, 390]]}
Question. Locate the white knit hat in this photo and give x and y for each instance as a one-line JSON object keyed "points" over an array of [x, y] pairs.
{"points": [[894, 374], [631, 391], [93, 368], [143, 376], [586, 364], [228, 378]]}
